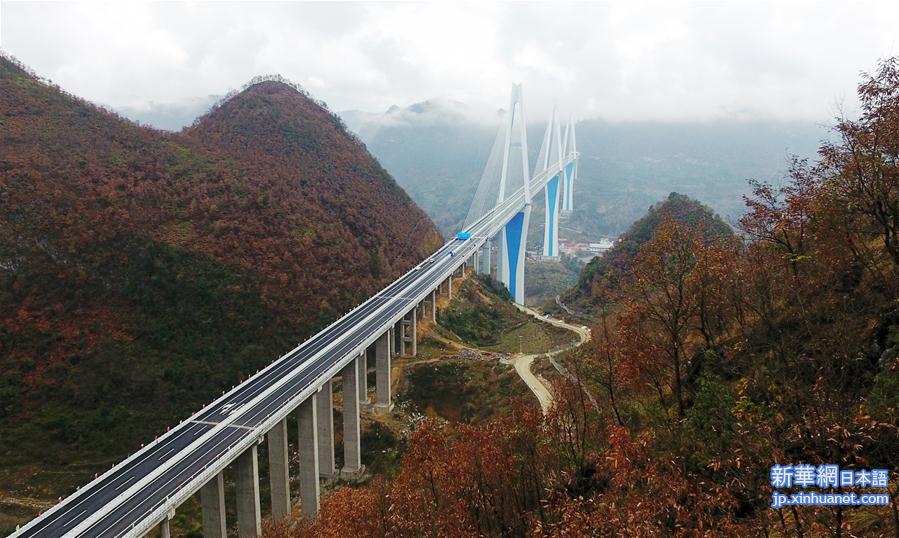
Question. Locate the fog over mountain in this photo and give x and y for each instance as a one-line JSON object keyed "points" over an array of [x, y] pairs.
{"points": [[169, 116], [437, 152]]}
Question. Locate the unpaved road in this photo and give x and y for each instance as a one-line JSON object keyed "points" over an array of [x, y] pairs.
{"points": [[522, 363]]}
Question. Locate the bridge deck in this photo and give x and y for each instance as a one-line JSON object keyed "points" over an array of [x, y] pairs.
{"points": [[136, 494]]}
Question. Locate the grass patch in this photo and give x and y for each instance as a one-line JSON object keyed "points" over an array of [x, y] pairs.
{"points": [[463, 390]]}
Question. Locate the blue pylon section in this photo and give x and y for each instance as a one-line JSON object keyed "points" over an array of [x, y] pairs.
{"points": [[568, 204], [551, 230], [514, 235]]}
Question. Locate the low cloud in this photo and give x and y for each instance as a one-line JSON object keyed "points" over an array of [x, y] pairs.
{"points": [[665, 62]]}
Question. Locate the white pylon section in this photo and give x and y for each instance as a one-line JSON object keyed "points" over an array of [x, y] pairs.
{"points": [[513, 236], [551, 154], [570, 171]]}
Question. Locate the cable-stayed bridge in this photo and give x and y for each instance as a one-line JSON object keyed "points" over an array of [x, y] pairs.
{"points": [[143, 492]]}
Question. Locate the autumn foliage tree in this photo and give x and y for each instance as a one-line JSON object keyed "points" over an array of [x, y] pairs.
{"points": [[142, 272], [714, 356]]}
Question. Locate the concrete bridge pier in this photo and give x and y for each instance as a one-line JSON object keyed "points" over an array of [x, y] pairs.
{"points": [[391, 342], [551, 216], [410, 329], [500, 255], [324, 412], [308, 449], [249, 513], [570, 173], [512, 253], [212, 498], [485, 258], [363, 377], [413, 337], [279, 470], [383, 403], [434, 306], [447, 287], [165, 529], [352, 454], [399, 334]]}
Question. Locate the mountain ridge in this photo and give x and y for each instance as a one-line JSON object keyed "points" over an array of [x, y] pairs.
{"points": [[143, 271], [599, 279]]}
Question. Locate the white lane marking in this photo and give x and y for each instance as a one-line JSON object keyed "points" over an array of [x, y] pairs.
{"points": [[120, 486], [261, 397], [299, 378], [70, 506], [228, 426]]}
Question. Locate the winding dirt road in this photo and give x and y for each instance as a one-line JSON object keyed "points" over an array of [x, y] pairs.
{"points": [[522, 362]]}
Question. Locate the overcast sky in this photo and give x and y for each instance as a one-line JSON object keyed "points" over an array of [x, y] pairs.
{"points": [[672, 61]]}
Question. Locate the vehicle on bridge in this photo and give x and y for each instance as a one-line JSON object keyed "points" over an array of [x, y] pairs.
{"points": [[463, 236]]}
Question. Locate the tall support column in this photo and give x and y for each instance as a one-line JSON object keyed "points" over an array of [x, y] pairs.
{"points": [[401, 336], [308, 448], [212, 497], [383, 401], [514, 235], [249, 513], [324, 417], [570, 169], [554, 187], [449, 287], [568, 202], [511, 248], [485, 258], [399, 344], [551, 226], [165, 528], [363, 377], [279, 470], [434, 306], [413, 337], [352, 456], [391, 342], [501, 261]]}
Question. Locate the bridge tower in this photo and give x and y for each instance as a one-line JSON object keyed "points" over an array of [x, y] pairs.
{"points": [[513, 236], [570, 172], [551, 152]]}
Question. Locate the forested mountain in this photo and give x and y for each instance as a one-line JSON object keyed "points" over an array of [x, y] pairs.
{"points": [[436, 151], [625, 167], [141, 272], [600, 279], [718, 357]]}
